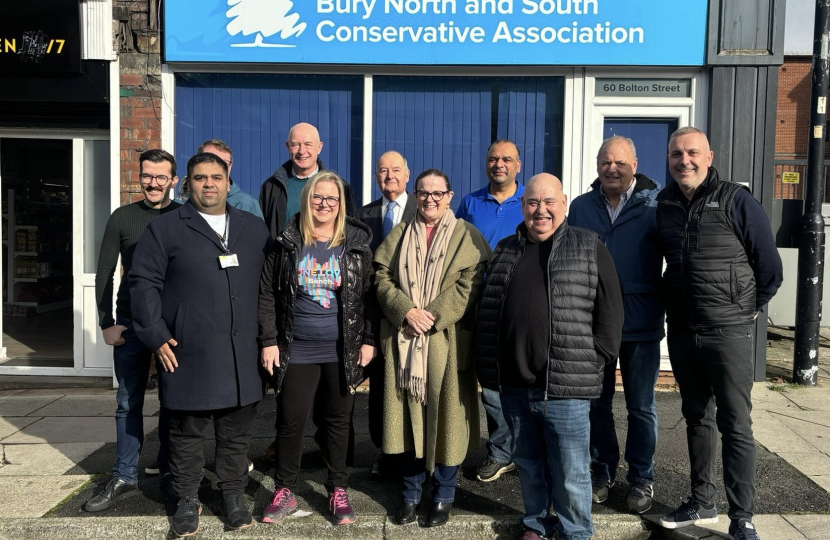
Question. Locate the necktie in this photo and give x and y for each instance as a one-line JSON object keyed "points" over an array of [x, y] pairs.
{"points": [[389, 218]]}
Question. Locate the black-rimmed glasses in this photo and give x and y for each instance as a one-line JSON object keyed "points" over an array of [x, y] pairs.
{"points": [[331, 202], [147, 179], [434, 195]]}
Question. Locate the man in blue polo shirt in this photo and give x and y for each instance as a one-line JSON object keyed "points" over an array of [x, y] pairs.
{"points": [[496, 211]]}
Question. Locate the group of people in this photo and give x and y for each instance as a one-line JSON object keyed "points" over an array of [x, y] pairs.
{"points": [[314, 295]]}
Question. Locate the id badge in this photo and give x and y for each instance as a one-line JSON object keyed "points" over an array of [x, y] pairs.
{"points": [[227, 261]]}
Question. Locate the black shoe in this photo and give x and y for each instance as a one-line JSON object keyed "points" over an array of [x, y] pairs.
{"points": [[439, 514], [116, 489], [491, 470], [234, 508], [407, 513], [185, 522], [600, 489]]}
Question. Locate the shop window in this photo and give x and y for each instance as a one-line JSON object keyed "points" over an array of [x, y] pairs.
{"points": [[449, 122], [253, 113]]}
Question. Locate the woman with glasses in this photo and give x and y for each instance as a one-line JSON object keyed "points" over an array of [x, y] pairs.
{"points": [[430, 276], [316, 337]]}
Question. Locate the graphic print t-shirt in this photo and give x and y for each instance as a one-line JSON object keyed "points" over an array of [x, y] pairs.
{"points": [[316, 327]]}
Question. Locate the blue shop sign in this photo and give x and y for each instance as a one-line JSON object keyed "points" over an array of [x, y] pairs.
{"points": [[438, 32]]}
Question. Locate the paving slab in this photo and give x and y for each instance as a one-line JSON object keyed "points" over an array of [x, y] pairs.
{"points": [[68, 391], [814, 527], [13, 424], [33, 496], [5, 393], [99, 405], [68, 429], [45, 459], [23, 405], [809, 463]]}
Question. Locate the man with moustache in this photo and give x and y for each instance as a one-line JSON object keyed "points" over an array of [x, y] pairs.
{"points": [[550, 320], [279, 196], [621, 209], [195, 289], [131, 359], [495, 210], [722, 268], [381, 215]]}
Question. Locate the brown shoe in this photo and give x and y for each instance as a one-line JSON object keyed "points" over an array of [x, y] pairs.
{"points": [[270, 453]]}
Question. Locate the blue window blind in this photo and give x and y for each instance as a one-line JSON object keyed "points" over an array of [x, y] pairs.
{"points": [[449, 122], [253, 113]]}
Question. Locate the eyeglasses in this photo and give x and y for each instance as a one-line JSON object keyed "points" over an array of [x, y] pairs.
{"points": [[147, 179], [331, 202], [434, 195]]}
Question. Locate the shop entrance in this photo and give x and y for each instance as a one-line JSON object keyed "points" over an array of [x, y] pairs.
{"points": [[55, 197]]}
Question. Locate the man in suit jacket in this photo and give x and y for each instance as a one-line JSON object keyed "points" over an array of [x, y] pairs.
{"points": [[195, 290], [381, 215]]}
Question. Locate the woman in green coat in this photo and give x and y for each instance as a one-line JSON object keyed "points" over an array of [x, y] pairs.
{"points": [[430, 276]]}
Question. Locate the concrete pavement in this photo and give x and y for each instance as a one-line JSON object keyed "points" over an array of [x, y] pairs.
{"points": [[57, 446]]}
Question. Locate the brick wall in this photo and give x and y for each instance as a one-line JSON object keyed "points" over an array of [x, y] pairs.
{"points": [[793, 108], [140, 88]]}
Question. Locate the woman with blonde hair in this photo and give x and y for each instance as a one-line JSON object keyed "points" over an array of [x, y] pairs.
{"points": [[430, 276], [312, 318]]}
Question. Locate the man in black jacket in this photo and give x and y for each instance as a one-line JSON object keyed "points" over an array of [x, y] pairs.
{"points": [[381, 215], [195, 289], [722, 267], [550, 320], [279, 196]]}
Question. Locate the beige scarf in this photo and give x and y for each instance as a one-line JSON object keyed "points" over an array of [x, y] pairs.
{"points": [[421, 271]]}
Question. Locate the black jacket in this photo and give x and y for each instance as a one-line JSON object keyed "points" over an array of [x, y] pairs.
{"points": [[584, 335], [371, 215], [278, 298], [273, 197], [721, 260], [179, 291]]}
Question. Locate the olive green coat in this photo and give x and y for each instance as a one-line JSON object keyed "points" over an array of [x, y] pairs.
{"points": [[443, 430]]}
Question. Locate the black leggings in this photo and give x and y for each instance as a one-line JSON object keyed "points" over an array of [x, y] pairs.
{"points": [[306, 386]]}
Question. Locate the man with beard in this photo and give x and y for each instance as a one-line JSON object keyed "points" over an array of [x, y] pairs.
{"points": [[621, 209], [495, 210], [131, 359], [195, 286], [722, 268]]}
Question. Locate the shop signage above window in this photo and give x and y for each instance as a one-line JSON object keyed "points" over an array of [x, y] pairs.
{"points": [[437, 32], [644, 88], [40, 36]]}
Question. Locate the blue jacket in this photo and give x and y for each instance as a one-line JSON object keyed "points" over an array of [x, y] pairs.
{"points": [[633, 243], [239, 199]]}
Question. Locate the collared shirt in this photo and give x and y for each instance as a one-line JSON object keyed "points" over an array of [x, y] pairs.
{"points": [[397, 211], [613, 213], [493, 219]]}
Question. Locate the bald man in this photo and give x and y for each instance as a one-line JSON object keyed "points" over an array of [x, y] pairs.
{"points": [[546, 358], [279, 196]]}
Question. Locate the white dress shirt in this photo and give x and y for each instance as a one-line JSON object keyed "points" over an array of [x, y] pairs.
{"points": [[397, 211]]}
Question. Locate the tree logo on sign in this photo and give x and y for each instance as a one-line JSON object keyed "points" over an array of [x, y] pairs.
{"points": [[263, 18]]}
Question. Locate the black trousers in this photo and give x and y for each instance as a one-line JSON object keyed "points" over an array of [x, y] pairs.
{"points": [[714, 369], [187, 458], [375, 373], [318, 386]]}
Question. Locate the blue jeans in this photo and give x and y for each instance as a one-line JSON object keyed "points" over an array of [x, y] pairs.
{"points": [[413, 474], [550, 450], [132, 368], [639, 365], [499, 442]]}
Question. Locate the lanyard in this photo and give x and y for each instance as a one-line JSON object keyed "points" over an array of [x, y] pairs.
{"points": [[223, 237]]}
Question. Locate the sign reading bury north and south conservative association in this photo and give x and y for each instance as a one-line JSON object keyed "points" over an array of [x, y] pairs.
{"points": [[40, 36], [434, 32]]}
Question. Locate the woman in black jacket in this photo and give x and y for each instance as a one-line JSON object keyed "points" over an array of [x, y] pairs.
{"points": [[312, 316]]}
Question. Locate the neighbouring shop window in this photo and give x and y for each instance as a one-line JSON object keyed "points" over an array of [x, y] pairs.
{"points": [[449, 122], [253, 113]]}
